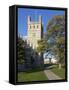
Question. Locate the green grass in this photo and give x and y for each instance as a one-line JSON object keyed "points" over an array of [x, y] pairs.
{"points": [[59, 72], [33, 75]]}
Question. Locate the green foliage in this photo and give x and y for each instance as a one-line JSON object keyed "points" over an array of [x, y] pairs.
{"points": [[60, 40], [41, 46], [56, 36], [21, 52]]}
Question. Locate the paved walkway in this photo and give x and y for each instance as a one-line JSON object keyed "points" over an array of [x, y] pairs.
{"points": [[51, 75]]}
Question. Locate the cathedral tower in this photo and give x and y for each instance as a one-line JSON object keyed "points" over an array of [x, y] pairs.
{"points": [[34, 32]]}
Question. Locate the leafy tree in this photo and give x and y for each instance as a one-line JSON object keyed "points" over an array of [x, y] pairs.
{"points": [[56, 36], [21, 52], [40, 49], [41, 46]]}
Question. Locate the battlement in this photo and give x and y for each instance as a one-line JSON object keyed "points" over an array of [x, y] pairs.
{"points": [[30, 21]]}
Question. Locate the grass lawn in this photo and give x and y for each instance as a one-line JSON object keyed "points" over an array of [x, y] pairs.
{"points": [[31, 76], [59, 72]]}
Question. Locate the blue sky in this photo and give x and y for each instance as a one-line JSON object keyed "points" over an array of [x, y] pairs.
{"points": [[23, 14]]}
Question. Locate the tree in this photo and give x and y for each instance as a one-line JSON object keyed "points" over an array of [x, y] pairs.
{"points": [[41, 46], [56, 37], [21, 52], [40, 49]]}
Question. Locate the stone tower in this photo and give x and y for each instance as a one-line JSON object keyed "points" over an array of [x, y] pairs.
{"points": [[34, 32]]}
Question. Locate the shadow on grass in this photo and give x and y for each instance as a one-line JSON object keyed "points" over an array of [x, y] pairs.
{"points": [[49, 66], [46, 66], [34, 70], [38, 69]]}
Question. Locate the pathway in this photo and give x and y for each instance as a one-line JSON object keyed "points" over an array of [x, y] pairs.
{"points": [[51, 75]]}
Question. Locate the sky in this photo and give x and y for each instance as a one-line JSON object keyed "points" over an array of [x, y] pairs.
{"points": [[23, 14]]}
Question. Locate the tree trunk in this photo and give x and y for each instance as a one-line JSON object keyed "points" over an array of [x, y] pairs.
{"points": [[41, 59], [50, 60], [60, 66]]}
